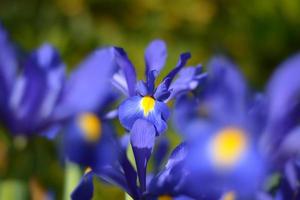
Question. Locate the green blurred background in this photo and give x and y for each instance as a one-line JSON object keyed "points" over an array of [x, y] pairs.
{"points": [[257, 34]]}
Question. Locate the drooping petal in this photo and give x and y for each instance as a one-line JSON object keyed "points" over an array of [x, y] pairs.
{"points": [[37, 89], [88, 86], [159, 93], [128, 69], [155, 56], [129, 111], [129, 171], [85, 188], [142, 137]]}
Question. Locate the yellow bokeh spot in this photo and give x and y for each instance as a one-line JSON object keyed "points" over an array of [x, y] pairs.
{"points": [[229, 196], [165, 197], [228, 147], [90, 125], [147, 104]]}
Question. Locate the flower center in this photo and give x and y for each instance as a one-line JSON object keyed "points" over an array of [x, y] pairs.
{"points": [[229, 196], [228, 147], [165, 197], [90, 125], [147, 104]]}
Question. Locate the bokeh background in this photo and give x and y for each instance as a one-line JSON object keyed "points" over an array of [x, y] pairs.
{"points": [[256, 34]]}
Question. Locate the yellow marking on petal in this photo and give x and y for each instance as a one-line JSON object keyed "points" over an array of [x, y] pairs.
{"points": [[228, 147], [90, 125], [147, 104], [229, 196], [165, 197], [87, 170]]}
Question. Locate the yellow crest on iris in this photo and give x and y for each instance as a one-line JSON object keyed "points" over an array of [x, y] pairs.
{"points": [[229, 196], [91, 126], [228, 146], [165, 197], [147, 104]]}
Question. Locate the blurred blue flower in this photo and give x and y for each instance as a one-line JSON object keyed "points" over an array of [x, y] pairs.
{"points": [[145, 112], [37, 97], [240, 138]]}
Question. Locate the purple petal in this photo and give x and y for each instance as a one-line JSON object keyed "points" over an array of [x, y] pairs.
{"points": [[8, 63], [128, 69], [89, 85], [155, 56], [37, 90], [85, 188], [142, 137]]}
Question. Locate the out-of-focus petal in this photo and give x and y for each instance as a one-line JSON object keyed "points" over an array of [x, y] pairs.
{"points": [[226, 90], [128, 69], [155, 56], [89, 85], [85, 188], [8, 64], [283, 88], [37, 89], [284, 102], [160, 153], [142, 137]]}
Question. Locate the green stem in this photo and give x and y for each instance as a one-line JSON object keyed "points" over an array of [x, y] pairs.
{"points": [[72, 178], [13, 189]]}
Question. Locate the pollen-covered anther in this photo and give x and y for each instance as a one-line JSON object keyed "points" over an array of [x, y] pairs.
{"points": [[90, 125], [228, 146], [147, 105]]}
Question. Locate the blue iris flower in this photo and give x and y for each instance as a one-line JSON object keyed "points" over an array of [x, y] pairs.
{"points": [[36, 94], [239, 138], [168, 182], [145, 112]]}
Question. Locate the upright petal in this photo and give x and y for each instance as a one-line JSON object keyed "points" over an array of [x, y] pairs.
{"points": [[226, 91], [155, 56], [189, 78], [37, 89], [142, 137], [88, 86], [163, 88], [284, 87], [128, 69], [283, 100]]}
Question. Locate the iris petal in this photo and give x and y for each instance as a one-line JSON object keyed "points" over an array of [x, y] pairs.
{"points": [[130, 110], [37, 89], [88, 86], [155, 56], [8, 63], [85, 188], [128, 69], [142, 137]]}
